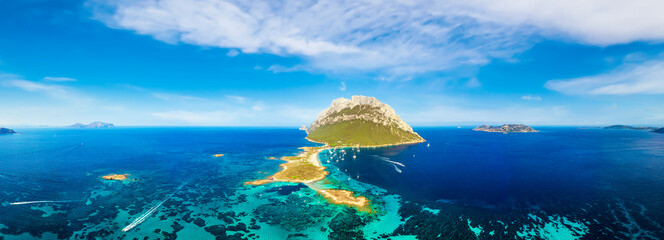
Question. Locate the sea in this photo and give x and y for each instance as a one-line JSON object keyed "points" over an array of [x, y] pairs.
{"points": [[558, 183]]}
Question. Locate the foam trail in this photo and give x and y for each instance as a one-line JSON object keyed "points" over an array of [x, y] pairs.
{"points": [[147, 214], [35, 202], [396, 168], [389, 161]]}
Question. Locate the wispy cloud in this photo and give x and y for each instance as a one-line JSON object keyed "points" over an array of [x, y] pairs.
{"points": [[171, 96], [532, 98], [59, 79], [473, 83], [343, 87], [631, 78], [238, 99], [281, 69], [392, 36], [56, 91]]}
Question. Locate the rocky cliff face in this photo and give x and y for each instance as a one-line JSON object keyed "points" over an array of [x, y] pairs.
{"points": [[361, 121], [506, 128]]}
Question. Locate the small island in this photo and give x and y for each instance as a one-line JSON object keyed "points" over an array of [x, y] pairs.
{"points": [[117, 177], [630, 127], [659, 130], [4, 131], [357, 122], [96, 124], [505, 128]]}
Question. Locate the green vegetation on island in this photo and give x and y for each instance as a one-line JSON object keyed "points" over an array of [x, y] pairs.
{"points": [[362, 133]]}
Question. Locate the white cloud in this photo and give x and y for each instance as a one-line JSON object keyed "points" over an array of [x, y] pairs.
{"points": [[391, 36], [631, 78], [448, 114], [280, 68], [532, 98], [238, 99], [599, 22], [232, 53], [199, 118], [174, 97], [473, 83], [59, 79], [257, 108], [343, 87]]}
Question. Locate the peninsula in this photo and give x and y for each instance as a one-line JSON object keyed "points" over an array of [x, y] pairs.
{"points": [[6, 131], [506, 128], [96, 124], [357, 122]]}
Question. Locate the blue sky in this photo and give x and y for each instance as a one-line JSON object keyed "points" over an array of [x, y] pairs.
{"points": [[279, 63]]}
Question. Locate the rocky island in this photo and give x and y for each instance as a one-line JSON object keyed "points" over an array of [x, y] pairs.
{"points": [[361, 121], [629, 127], [118, 177], [357, 122], [96, 124], [6, 131], [505, 128]]}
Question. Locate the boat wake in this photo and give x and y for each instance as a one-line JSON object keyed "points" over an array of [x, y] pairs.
{"points": [[147, 214], [45, 201], [390, 162]]}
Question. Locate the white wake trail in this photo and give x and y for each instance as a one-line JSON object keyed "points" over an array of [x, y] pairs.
{"points": [[147, 214], [45, 201], [386, 159]]}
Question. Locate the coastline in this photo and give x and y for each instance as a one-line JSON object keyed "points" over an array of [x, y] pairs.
{"points": [[308, 163]]}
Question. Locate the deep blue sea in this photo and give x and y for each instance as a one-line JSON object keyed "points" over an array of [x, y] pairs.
{"points": [[559, 183]]}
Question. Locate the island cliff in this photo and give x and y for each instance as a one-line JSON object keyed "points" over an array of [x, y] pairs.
{"points": [[506, 128], [361, 121], [6, 131]]}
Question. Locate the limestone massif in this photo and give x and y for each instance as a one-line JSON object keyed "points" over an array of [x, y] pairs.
{"points": [[361, 121]]}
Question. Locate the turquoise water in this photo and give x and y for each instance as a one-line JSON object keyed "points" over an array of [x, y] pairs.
{"points": [[561, 183]]}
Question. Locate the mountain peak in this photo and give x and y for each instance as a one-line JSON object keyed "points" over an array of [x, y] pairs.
{"points": [[361, 120]]}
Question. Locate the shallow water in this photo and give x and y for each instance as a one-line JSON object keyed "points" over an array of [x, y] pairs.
{"points": [[561, 183]]}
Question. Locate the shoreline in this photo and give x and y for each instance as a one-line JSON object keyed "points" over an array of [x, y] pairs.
{"points": [[308, 163]]}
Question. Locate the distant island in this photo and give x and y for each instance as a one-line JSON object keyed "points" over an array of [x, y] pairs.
{"points": [[506, 128], [96, 124], [357, 122], [361, 121], [660, 130], [629, 127], [6, 131]]}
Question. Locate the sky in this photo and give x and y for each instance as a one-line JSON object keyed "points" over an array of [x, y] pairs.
{"points": [[279, 63]]}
